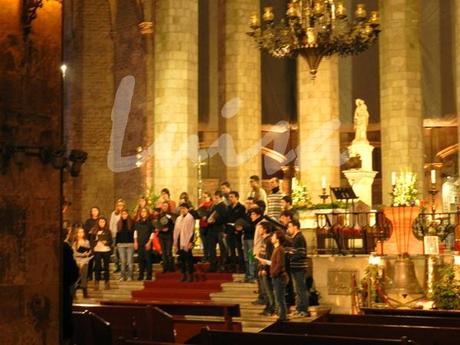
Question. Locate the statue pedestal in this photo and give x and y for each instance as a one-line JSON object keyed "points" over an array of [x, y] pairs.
{"points": [[361, 182], [364, 150]]}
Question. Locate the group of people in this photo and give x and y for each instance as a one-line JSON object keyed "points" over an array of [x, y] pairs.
{"points": [[259, 237]]}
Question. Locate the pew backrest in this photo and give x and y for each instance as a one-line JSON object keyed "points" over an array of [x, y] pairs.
{"points": [[377, 319], [411, 312], [232, 338], [422, 335], [90, 329], [135, 322]]}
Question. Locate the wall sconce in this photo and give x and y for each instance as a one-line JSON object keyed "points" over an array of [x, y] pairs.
{"points": [[56, 156], [77, 157]]}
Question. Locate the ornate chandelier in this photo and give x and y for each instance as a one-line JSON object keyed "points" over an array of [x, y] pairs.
{"points": [[314, 29]]}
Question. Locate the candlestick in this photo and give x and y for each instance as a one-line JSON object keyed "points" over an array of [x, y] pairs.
{"points": [[393, 178], [433, 191], [324, 195], [433, 176], [323, 182]]}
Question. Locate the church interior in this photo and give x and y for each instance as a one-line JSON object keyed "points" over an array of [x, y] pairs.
{"points": [[229, 172]]}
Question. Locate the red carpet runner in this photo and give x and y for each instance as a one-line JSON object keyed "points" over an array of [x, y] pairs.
{"points": [[167, 286]]}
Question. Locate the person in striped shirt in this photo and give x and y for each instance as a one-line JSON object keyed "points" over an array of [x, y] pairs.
{"points": [[274, 206]]}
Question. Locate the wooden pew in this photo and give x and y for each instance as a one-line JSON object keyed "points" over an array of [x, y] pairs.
{"points": [[134, 322], [209, 337], [186, 315], [201, 308], [392, 320], [411, 312], [145, 342], [90, 329], [421, 335]]}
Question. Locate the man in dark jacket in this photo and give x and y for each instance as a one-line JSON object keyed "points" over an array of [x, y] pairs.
{"points": [[235, 211], [216, 235], [298, 267]]}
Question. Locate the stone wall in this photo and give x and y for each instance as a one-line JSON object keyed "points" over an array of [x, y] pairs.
{"points": [[30, 236]]}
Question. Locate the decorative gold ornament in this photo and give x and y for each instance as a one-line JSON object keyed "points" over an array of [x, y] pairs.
{"points": [[314, 29]]}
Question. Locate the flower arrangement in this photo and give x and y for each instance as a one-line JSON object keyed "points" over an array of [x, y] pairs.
{"points": [[301, 198], [405, 189]]}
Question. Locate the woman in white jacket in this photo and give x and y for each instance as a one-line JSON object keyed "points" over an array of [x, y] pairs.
{"points": [[184, 231]]}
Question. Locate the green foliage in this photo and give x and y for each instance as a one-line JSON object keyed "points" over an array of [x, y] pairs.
{"points": [[446, 290], [151, 197]]}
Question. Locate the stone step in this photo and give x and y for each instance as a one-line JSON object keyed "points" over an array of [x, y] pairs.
{"points": [[235, 294], [251, 329], [238, 276], [239, 286], [249, 306], [257, 324]]}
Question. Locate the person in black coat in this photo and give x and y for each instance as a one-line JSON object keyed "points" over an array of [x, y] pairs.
{"points": [[164, 226], [235, 211], [216, 234], [143, 235], [70, 275]]}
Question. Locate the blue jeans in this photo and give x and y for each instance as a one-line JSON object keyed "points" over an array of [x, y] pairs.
{"points": [[126, 252], [249, 261], [279, 287], [300, 290], [266, 285]]}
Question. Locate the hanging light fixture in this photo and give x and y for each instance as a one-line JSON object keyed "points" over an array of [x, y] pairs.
{"points": [[314, 29]]}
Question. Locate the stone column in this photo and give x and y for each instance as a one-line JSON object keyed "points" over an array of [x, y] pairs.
{"points": [[92, 81], [400, 92], [242, 96], [319, 146], [176, 96]]}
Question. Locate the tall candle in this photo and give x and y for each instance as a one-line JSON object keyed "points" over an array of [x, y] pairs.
{"points": [[323, 182], [393, 178], [433, 176]]}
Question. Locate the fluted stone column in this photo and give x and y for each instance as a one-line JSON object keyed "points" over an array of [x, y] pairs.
{"points": [[176, 96], [242, 87], [400, 90], [319, 146]]}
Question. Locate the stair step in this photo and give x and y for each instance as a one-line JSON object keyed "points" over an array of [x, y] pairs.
{"points": [[259, 324]]}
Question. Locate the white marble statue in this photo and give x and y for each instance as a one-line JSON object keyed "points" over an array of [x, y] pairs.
{"points": [[361, 120]]}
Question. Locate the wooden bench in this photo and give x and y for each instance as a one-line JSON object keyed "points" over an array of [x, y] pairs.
{"points": [[145, 342], [211, 337], [134, 322], [421, 335], [411, 312], [90, 329], [186, 315], [392, 320]]}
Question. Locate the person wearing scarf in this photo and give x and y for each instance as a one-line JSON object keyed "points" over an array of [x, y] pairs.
{"points": [[184, 231]]}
